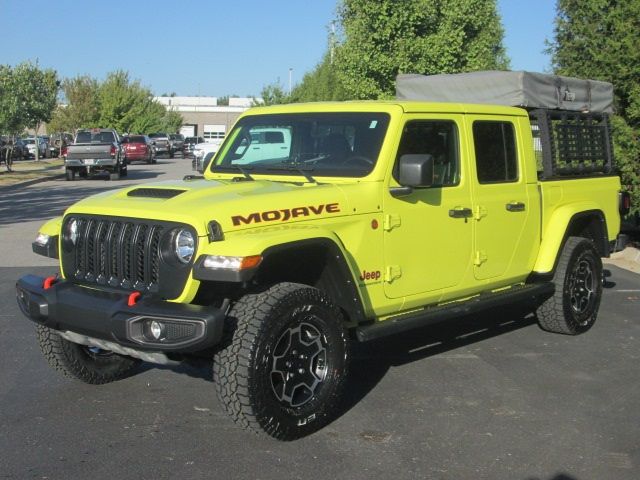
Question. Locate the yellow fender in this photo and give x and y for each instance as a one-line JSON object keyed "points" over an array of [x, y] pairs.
{"points": [[255, 242], [554, 233], [52, 227]]}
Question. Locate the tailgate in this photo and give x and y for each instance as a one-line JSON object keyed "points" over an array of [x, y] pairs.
{"points": [[94, 150]]}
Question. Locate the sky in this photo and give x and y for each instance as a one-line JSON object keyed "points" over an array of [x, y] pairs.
{"points": [[210, 47]]}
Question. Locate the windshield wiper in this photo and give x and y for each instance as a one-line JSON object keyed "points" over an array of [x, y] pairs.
{"points": [[304, 172], [240, 169]]}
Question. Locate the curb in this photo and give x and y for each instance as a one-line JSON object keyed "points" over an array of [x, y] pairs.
{"points": [[27, 183], [629, 259]]}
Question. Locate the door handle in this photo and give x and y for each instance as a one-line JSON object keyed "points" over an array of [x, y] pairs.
{"points": [[515, 206], [460, 212]]}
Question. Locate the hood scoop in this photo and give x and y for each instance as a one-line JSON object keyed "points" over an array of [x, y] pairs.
{"points": [[155, 192]]}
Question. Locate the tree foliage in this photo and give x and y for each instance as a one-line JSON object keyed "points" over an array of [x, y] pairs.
{"points": [[118, 102], [321, 84], [27, 96], [598, 39], [273, 94], [383, 38], [81, 105]]}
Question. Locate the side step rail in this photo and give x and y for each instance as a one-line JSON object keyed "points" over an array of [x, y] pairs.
{"points": [[432, 315]]}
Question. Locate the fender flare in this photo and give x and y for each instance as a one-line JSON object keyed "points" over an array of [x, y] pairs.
{"points": [[337, 278], [558, 228]]}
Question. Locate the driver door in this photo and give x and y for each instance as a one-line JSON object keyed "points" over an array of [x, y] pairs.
{"points": [[427, 248]]}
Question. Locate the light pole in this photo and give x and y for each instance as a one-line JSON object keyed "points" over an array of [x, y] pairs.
{"points": [[290, 73]]}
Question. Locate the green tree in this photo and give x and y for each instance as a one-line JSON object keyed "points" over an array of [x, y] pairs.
{"points": [[383, 38], [321, 84], [273, 94], [171, 121], [11, 122], [28, 96], [80, 106], [129, 107], [598, 39]]}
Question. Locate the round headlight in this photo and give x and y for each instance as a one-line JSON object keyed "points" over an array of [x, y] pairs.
{"points": [[184, 245]]}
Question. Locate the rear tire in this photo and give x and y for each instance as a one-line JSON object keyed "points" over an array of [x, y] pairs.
{"points": [[93, 366], [70, 174], [283, 361], [573, 308]]}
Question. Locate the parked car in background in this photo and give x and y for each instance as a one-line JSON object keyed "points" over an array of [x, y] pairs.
{"points": [[200, 164], [176, 140], [201, 149], [162, 143], [17, 147], [30, 143], [45, 139], [138, 148], [190, 143], [57, 142]]}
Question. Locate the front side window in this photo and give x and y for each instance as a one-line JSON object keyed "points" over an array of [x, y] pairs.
{"points": [[324, 144], [438, 138], [495, 146]]}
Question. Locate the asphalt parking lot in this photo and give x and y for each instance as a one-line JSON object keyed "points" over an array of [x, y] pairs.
{"points": [[486, 397]]}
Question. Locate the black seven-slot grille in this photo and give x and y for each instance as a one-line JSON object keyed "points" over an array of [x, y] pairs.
{"points": [[124, 253]]}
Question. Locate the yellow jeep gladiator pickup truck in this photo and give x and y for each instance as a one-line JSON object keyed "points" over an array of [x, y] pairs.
{"points": [[369, 217]]}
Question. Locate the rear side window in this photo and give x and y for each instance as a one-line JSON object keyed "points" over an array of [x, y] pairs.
{"points": [[495, 146]]}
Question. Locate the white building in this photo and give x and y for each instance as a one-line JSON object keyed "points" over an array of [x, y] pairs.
{"points": [[203, 117]]}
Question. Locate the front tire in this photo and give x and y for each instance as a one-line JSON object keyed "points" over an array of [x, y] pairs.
{"points": [[574, 306], [283, 363], [89, 365]]}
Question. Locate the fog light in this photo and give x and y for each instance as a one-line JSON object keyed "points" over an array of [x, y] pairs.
{"points": [[156, 329]]}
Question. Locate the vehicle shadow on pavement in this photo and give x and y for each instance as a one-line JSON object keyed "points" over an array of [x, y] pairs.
{"points": [[606, 283], [371, 361]]}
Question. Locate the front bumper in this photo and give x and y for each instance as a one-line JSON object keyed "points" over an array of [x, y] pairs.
{"points": [[107, 316]]}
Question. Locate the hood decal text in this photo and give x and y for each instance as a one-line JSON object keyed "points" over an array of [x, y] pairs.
{"points": [[285, 214]]}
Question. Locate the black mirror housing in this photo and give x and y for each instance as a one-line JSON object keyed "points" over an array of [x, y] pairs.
{"points": [[416, 170]]}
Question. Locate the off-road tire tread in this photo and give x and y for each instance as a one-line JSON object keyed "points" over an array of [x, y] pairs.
{"points": [[551, 315], [63, 357], [231, 364]]}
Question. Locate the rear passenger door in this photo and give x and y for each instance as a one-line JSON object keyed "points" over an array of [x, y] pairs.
{"points": [[504, 225]]}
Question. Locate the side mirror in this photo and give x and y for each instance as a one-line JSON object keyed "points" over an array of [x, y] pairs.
{"points": [[416, 170]]}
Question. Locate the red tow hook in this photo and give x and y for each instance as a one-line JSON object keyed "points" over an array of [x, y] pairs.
{"points": [[49, 281], [133, 298]]}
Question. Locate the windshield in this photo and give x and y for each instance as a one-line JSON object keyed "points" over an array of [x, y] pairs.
{"points": [[175, 137], [327, 144]]}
